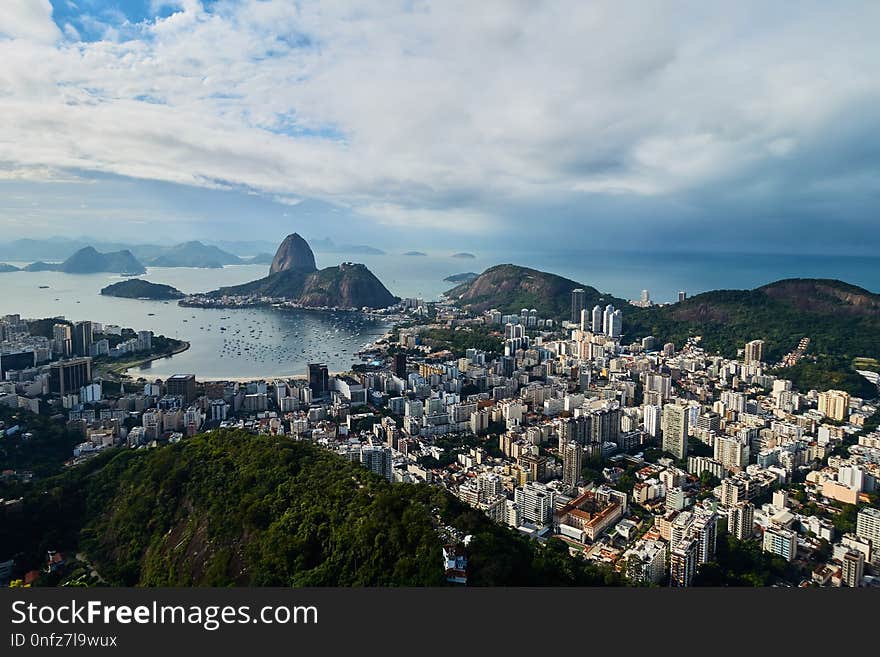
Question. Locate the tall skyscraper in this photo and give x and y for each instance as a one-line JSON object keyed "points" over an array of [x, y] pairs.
{"points": [[754, 352], [400, 365], [675, 430], [319, 380], [63, 340], [578, 303], [82, 338], [682, 295], [572, 463], [615, 324], [597, 319], [606, 319]]}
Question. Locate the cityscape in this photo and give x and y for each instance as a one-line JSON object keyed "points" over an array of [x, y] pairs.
{"points": [[426, 296], [651, 462]]}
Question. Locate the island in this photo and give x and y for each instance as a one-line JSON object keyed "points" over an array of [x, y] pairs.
{"points": [[194, 254], [295, 281], [464, 255], [137, 288], [89, 260], [415, 253]]}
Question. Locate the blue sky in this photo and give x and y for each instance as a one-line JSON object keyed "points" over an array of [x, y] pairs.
{"points": [[609, 124]]}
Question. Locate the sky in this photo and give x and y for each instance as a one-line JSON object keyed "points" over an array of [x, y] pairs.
{"points": [[668, 125]]}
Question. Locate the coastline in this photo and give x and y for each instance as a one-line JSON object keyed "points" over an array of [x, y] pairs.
{"points": [[123, 374]]}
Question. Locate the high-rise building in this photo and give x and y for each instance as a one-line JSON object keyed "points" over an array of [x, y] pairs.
{"points": [[319, 380], [182, 385], [683, 562], [578, 303], [675, 430], [597, 319], [68, 376], [733, 452], [608, 319], [754, 352], [63, 340], [82, 338], [682, 295], [704, 529], [741, 520], [400, 365], [781, 542], [615, 324], [377, 459], [653, 422], [15, 361], [868, 525], [834, 404], [853, 568], [535, 502], [572, 463]]}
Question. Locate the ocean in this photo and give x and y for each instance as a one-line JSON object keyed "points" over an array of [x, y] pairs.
{"points": [[259, 342]]}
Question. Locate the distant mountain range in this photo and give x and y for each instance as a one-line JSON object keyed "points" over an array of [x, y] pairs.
{"points": [[209, 254]]}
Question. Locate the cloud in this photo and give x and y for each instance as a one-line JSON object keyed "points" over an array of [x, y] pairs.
{"points": [[29, 19], [454, 114]]}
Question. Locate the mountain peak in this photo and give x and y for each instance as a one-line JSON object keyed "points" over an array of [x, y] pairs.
{"points": [[294, 253]]}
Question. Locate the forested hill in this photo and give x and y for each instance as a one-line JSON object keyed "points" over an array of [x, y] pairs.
{"points": [[231, 508], [510, 288], [841, 320]]}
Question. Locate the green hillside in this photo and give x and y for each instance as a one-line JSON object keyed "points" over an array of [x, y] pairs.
{"points": [[510, 288], [230, 508]]}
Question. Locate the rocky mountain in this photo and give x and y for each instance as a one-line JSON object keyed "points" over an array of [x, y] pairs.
{"points": [[41, 266], [293, 276], [348, 286], [194, 254], [89, 261], [137, 288], [294, 254], [510, 288], [259, 259]]}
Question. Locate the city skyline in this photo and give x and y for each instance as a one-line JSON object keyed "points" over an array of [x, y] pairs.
{"points": [[662, 127]]}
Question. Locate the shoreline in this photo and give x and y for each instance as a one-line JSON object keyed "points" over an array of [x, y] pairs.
{"points": [[184, 346]]}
